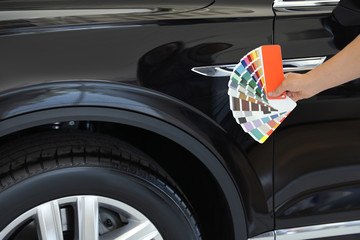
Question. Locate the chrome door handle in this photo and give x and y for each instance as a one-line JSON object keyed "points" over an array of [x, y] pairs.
{"points": [[289, 65], [304, 5]]}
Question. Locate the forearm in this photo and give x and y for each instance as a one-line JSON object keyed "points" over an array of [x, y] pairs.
{"points": [[343, 67]]}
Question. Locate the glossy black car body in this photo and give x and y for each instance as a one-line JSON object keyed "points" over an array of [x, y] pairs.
{"points": [[131, 71]]}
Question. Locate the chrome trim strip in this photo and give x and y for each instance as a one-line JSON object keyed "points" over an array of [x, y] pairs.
{"points": [[264, 236], [289, 65], [296, 6], [319, 231], [312, 232]]}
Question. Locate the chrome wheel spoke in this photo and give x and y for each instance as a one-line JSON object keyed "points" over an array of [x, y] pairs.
{"points": [[134, 230], [49, 221], [88, 217], [55, 218]]}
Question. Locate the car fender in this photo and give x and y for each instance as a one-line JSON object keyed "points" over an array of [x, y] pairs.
{"points": [[132, 105]]}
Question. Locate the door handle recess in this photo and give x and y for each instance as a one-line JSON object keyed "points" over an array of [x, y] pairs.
{"points": [[289, 65]]}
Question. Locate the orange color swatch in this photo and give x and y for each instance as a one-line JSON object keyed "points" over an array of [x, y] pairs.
{"points": [[272, 64]]}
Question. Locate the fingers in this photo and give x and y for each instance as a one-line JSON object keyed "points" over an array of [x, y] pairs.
{"points": [[277, 92], [294, 96], [294, 85]]}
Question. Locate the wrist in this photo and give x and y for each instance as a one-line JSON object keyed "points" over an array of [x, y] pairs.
{"points": [[312, 83]]}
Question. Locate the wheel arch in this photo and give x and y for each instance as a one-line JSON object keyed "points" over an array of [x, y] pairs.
{"points": [[101, 101]]}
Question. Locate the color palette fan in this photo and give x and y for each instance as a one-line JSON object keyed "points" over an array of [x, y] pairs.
{"points": [[259, 72]]}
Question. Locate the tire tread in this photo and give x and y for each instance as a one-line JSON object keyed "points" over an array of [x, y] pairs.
{"points": [[25, 158]]}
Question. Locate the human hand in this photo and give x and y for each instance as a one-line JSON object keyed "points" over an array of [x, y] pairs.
{"points": [[341, 68], [297, 87]]}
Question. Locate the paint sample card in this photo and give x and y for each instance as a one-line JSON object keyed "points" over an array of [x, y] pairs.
{"points": [[251, 125], [238, 93], [261, 133], [259, 72], [249, 74], [283, 105]]}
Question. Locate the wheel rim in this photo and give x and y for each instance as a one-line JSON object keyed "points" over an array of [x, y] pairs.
{"points": [[85, 217]]}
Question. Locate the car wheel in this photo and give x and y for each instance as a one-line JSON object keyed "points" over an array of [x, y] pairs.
{"points": [[87, 186]]}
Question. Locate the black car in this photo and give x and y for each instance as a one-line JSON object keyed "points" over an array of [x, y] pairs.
{"points": [[115, 124]]}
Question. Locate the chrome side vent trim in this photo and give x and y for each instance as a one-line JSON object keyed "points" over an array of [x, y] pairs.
{"points": [[215, 71], [302, 64], [289, 65]]}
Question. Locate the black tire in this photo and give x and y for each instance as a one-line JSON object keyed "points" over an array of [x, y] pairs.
{"points": [[53, 165]]}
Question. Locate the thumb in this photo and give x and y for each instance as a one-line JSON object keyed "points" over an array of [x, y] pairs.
{"points": [[277, 92]]}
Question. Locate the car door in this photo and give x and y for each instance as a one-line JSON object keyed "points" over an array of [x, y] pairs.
{"points": [[317, 157]]}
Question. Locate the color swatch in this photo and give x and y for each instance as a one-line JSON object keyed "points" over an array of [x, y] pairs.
{"points": [[259, 72]]}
